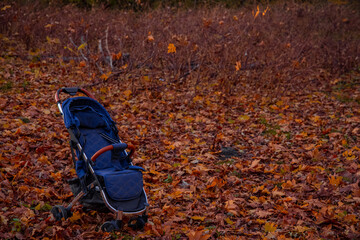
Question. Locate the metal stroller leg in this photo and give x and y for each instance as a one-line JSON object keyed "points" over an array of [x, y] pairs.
{"points": [[76, 199], [119, 215]]}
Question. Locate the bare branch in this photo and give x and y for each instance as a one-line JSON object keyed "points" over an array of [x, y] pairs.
{"points": [[100, 49], [107, 47], [80, 50], [98, 66]]}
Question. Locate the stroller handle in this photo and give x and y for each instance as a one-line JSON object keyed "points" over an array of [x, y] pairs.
{"points": [[72, 92], [111, 147]]}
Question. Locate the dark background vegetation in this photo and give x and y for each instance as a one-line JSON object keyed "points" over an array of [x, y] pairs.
{"points": [[295, 40], [151, 4]]}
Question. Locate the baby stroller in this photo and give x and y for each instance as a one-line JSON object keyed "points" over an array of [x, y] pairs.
{"points": [[107, 180]]}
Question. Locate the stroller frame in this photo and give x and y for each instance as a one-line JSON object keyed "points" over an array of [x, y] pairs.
{"points": [[60, 212]]}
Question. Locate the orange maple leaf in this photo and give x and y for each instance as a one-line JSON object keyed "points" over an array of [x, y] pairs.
{"points": [[270, 227], [335, 180], [116, 56], [171, 48], [238, 66], [82, 64]]}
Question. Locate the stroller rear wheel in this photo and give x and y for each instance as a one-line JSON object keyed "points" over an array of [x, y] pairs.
{"points": [[138, 223], [111, 226], [60, 212]]}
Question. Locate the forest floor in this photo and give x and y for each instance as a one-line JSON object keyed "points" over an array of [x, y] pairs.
{"points": [[251, 137]]}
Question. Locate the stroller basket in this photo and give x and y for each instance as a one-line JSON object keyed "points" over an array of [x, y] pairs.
{"points": [[106, 178]]}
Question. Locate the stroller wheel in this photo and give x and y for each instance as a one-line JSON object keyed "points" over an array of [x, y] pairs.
{"points": [[60, 212], [137, 223], [111, 226]]}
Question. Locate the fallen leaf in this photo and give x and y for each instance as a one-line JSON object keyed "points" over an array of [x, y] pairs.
{"points": [[263, 214], [198, 235], [238, 66], [76, 216], [127, 93], [198, 218], [228, 221], [270, 227], [335, 180], [171, 48], [255, 163], [3, 103], [244, 118]]}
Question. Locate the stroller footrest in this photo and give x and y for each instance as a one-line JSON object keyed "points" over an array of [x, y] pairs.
{"points": [[124, 185]]}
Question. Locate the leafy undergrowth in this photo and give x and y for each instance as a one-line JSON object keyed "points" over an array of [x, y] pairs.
{"points": [[220, 164]]}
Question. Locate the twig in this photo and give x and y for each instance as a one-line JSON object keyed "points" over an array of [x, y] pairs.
{"points": [[107, 47], [82, 54], [102, 55], [147, 59], [98, 66], [100, 49], [19, 173], [193, 68], [246, 60]]}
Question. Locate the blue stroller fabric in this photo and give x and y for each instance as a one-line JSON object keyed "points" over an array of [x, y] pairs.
{"points": [[94, 129]]}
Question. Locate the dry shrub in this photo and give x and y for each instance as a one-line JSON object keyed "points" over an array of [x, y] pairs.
{"points": [[288, 48]]}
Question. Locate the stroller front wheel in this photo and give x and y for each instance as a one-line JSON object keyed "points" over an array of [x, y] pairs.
{"points": [[60, 212], [138, 223], [111, 226]]}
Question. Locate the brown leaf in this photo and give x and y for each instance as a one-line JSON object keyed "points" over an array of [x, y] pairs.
{"points": [[3, 103], [198, 235], [32, 112], [255, 163], [263, 214]]}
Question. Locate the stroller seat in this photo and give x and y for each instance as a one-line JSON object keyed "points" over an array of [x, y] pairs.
{"points": [[105, 173]]}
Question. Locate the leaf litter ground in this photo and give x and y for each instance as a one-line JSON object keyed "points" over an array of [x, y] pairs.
{"points": [[218, 165]]}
